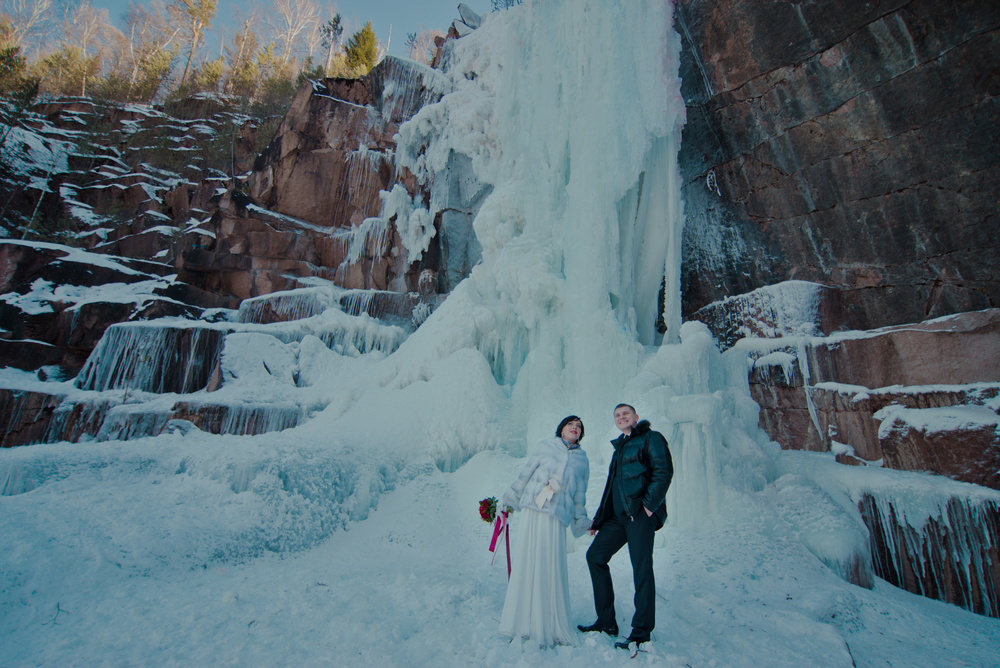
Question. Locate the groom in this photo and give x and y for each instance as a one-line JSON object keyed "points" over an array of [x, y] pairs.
{"points": [[632, 508]]}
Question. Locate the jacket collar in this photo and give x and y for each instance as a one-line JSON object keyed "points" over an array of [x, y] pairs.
{"points": [[638, 430]]}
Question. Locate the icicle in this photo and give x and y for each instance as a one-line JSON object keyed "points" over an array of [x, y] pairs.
{"points": [[945, 549], [246, 419], [123, 424], [79, 420], [803, 359], [153, 358], [377, 228], [287, 305]]}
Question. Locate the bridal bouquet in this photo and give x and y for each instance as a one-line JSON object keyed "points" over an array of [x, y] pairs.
{"points": [[488, 509]]}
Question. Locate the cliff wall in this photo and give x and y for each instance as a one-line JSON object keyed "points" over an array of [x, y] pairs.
{"points": [[850, 144]]}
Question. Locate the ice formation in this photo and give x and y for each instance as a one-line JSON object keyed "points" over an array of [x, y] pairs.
{"points": [[580, 227], [287, 305], [153, 357]]}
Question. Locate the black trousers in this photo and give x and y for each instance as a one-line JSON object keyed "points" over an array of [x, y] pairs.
{"points": [[609, 539]]}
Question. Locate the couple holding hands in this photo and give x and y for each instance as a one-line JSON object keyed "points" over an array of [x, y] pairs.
{"points": [[552, 490]]}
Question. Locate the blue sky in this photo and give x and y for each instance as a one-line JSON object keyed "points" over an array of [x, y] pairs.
{"points": [[404, 16]]}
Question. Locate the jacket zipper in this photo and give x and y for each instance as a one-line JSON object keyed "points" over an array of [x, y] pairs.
{"points": [[621, 479]]}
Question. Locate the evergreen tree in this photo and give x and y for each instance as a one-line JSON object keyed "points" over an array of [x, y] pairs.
{"points": [[66, 71], [14, 80], [331, 32], [362, 48], [13, 67]]}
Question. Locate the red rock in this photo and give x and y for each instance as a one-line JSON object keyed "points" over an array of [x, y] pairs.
{"points": [[817, 149], [944, 363]]}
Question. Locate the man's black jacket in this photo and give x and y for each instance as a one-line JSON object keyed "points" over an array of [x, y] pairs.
{"points": [[646, 472]]}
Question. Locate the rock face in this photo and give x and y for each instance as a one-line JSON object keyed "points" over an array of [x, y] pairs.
{"points": [[952, 557], [56, 305], [850, 145], [314, 201], [843, 143], [881, 394]]}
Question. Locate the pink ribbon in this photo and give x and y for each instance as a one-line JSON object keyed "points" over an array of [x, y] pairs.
{"points": [[501, 528]]}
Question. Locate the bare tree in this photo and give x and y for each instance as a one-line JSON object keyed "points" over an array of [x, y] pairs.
{"points": [[85, 27], [243, 73], [196, 17], [27, 19], [143, 53], [294, 20], [88, 30], [421, 45]]}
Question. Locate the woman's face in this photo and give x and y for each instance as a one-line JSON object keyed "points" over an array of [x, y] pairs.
{"points": [[571, 431]]}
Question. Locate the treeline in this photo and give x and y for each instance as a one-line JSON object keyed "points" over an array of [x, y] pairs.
{"points": [[158, 53]]}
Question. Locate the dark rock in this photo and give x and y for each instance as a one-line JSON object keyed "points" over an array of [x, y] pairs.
{"points": [[786, 309], [814, 150], [951, 558], [25, 415], [967, 451]]}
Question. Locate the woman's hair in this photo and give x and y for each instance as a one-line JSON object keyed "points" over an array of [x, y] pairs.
{"points": [[567, 420]]}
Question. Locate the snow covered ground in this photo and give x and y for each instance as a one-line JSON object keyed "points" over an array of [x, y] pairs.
{"points": [[124, 558]]}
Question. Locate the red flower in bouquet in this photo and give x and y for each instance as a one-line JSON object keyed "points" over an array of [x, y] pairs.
{"points": [[488, 509]]}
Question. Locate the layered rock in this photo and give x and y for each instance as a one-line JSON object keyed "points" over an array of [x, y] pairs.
{"points": [[137, 180], [315, 206], [25, 415], [56, 302], [857, 389], [789, 308]]}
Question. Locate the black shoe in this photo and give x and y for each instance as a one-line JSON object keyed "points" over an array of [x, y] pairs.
{"points": [[610, 630], [631, 639]]}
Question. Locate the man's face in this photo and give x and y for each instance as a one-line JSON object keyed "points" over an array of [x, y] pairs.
{"points": [[625, 419]]}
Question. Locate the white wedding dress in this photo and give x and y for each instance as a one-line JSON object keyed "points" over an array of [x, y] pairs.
{"points": [[537, 603]]}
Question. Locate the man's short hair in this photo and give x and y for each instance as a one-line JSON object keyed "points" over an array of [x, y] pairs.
{"points": [[630, 406]]}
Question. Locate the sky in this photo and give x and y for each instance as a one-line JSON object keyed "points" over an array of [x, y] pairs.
{"points": [[399, 16]]}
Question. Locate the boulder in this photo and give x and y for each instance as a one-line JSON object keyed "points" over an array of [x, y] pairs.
{"points": [[961, 442]]}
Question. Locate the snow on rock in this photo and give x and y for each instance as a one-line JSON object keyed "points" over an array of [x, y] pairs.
{"points": [[932, 420], [929, 535], [287, 305], [29, 154], [789, 308]]}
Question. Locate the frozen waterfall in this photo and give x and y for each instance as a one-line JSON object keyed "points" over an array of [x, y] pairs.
{"points": [[584, 222]]}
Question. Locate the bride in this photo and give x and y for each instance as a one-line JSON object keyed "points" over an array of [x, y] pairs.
{"points": [[552, 492]]}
